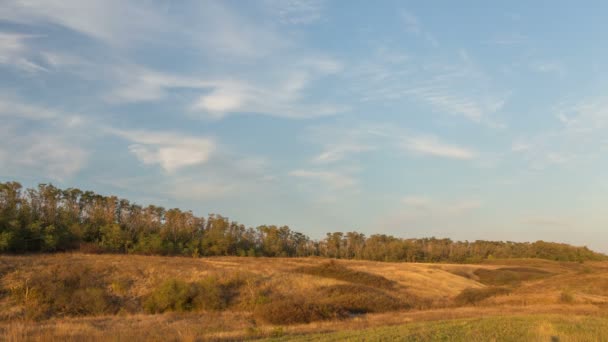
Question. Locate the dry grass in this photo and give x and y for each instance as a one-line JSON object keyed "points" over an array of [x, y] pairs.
{"points": [[251, 293]]}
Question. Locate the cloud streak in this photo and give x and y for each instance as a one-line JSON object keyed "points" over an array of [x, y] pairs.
{"points": [[172, 151], [431, 146]]}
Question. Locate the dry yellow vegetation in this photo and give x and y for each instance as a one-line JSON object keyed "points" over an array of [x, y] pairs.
{"points": [[277, 297]]}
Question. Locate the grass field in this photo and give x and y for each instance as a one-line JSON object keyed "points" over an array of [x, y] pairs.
{"points": [[147, 298]]}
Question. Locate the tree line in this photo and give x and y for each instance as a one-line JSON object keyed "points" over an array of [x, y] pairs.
{"points": [[49, 219]]}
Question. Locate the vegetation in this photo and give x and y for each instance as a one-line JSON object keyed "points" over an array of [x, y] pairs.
{"points": [[510, 275], [516, 328], [337, 271], [473, 295], [76, 296], [49, 219]]}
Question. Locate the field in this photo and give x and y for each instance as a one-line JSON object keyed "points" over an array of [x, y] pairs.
{"points": [[61, 297]]}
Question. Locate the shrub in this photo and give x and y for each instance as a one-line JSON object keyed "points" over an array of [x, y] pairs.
{"points": [[510, 275], [473, 295], [566, 297], [336, 271], [172, 295], [177, 295], [66, 291], [292, 310], [331, 302], [357, 299]]}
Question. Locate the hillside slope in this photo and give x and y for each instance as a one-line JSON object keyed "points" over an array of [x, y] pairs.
{"points": [[146, 297]]}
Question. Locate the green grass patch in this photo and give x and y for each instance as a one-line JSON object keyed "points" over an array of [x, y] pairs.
{"points": [[498, 328]]}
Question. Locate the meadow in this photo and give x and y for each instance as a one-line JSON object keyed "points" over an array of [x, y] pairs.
{"points": [[95, 297]]}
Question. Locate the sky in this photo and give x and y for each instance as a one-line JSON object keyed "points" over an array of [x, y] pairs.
{"points": [[468, 119]]}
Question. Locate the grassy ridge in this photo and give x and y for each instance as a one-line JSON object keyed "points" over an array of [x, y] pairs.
{"points": [[142, 298]]}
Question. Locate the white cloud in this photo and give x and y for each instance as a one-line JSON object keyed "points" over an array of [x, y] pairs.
{"points": [[428, 145], [333, 179], [520, 146], [15, 108], [280, 98], [296, 12], [413, 26], [14, 51], [172, 151], [417, 206], [138, 84], [552, 67], [340, 151], [108, 20], [51, 155], [578, 136], [459, 87]]}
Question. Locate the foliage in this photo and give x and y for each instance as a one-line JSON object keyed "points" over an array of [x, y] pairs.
{"points": [[49, 219], [62, 291], [297, 309], [177, 295], [510, 275], [566, 297], [474, 295], [334, 270]]}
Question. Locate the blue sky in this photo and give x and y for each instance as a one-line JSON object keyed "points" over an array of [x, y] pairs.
{"points": [[469, 120]]}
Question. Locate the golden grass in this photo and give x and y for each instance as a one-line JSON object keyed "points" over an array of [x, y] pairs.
{"points": [[132, 278]]}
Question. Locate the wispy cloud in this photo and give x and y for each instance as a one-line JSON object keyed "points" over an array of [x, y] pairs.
{"points": [[549, 67], [331, 178], [576, 134], [137, 84], [281, 98], [51, 152], [423, 205], [457, 87], [14, 52], [296, 12], [413, 26], [342, 142], [172, 151], [429, 145], [110, 21], [18, 109]]}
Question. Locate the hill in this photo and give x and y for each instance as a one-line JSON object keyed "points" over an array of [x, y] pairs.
{"points": [[100, 297]]}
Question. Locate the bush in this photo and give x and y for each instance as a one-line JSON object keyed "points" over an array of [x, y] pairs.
{"points": [[72, 291], [357, 299], [566, 297], [510, 275], [336, 271], [177, 295], [295, 310], [473, 295], [331, 302]]}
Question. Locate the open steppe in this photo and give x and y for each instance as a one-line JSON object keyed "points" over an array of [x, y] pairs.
{"points": [[52, 297]]}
